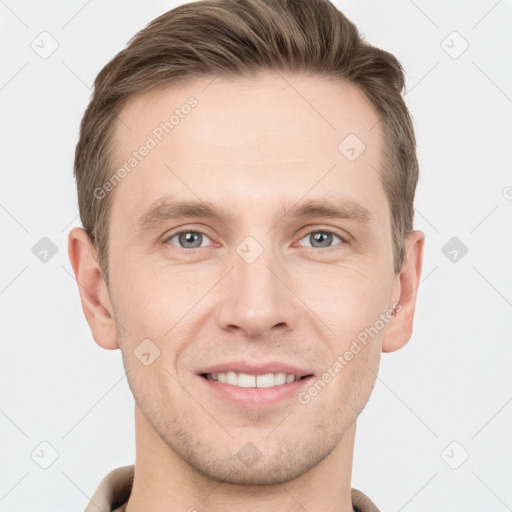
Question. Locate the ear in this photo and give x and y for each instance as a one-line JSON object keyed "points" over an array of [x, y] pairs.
{"points": [[93, 291], [399, 330]]}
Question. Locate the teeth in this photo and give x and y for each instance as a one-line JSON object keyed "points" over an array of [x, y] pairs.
{"points": [[278, 379], [268, 380], [244, 380], [230, 378]]}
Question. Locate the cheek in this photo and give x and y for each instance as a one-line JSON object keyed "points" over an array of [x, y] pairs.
{"points": [[347, 298], [158, 314], [150, 301]]}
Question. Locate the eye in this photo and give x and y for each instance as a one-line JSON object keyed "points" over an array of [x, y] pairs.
{"points": [[321, 239], [188, 239]]}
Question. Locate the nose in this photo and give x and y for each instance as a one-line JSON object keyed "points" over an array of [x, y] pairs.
{"points": [[256, 298]]}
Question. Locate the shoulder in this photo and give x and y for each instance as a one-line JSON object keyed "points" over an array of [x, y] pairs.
{"points": [[113, 490], [361, 502]]}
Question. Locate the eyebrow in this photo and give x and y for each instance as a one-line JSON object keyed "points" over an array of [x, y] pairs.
{"points": [[340, 209], [168, 208]]}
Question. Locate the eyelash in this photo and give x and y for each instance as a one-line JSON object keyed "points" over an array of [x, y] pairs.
{"points": [[344, 241]]}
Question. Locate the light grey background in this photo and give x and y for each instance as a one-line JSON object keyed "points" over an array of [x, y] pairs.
{"points": [[446, 394]]}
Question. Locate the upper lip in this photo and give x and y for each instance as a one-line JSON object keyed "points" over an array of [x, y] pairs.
{"points": [[256, 368]]}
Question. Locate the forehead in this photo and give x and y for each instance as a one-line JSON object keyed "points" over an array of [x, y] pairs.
{"points": [[258, 138], [212, 111]]}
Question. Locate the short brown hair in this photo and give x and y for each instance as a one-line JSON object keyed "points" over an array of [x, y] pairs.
{"points": [[236, 38]]}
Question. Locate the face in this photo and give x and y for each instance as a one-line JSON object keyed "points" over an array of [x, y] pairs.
{"points": [[256, 273]]}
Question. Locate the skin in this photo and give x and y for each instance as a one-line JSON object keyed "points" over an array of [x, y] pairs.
{"points": [[251, 146]]}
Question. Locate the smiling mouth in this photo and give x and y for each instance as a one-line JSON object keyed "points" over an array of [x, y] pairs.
{"points": [[244, 380]]}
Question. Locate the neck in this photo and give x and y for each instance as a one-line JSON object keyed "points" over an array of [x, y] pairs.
{"points": [[165, 481]]}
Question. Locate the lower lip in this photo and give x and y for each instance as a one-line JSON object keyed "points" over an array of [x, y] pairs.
{"points": [[256, 397]]}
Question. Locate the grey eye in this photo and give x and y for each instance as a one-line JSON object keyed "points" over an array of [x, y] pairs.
{"points": [[189, 239], [320, 239]]}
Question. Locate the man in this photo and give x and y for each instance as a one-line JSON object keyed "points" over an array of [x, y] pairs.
{"points": [[246, 173]]}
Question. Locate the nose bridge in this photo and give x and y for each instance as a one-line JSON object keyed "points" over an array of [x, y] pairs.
{"points": [[256, 300]]}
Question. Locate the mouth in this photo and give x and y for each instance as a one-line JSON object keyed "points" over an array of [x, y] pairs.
{"points": [[254, 391], [256, 383], [245, 380]]}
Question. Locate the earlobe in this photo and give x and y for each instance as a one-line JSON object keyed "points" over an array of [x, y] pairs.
{"points": [[92, 288], [398, 332]]}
